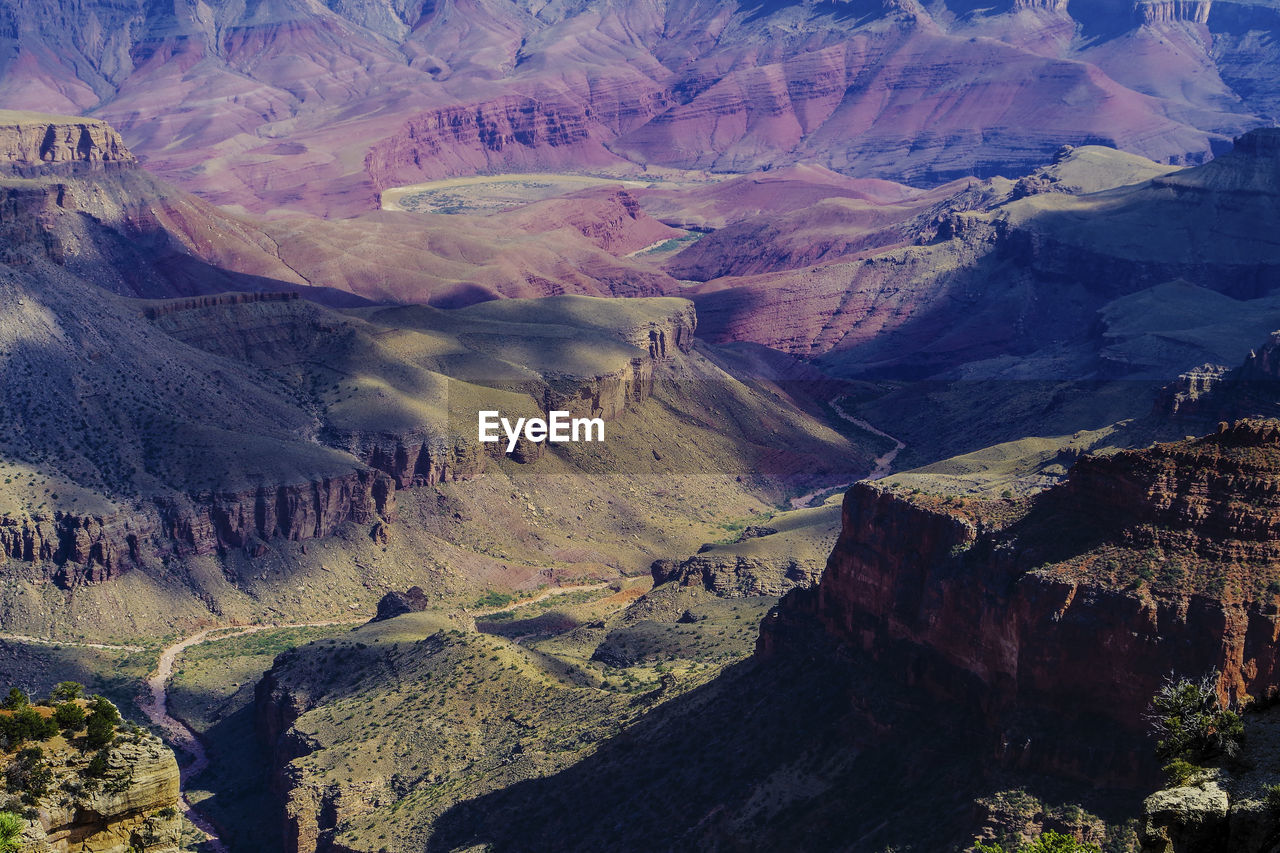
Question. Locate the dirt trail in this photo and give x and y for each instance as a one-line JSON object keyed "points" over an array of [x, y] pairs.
{"points": [[42, 641], [177, 733], [559, 590], [883, 463]]}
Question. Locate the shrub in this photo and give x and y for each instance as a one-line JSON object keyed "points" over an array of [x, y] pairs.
{"points": [[26, 724], [1272, 798], [69, 716], [98, 764], [1056, 842], [99, 731], [1048, 842], [15, 700], [11, 826], [1180, 771], [28, 775], [101, 705], [1190, 722]]}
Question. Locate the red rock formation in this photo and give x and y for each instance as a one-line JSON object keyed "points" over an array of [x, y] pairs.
{"points": [[68, 549], [511, 134], [1015, 618]]}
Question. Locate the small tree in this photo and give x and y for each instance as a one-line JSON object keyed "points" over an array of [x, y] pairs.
{"points": [[70, 717], [15, 700], [98, 765], [28, 775], [102, 706], [67, 691], [99, 731], [1190, 721]]}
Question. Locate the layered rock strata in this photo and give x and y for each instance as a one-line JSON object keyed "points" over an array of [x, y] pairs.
{"points": [[1029, 618]]}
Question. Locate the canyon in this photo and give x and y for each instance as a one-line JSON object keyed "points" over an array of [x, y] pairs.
{"points": [[318, 109], [934, 345]]}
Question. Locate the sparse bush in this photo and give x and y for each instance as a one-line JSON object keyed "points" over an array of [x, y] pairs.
{"points": [[1190, 722], [15, 700]]}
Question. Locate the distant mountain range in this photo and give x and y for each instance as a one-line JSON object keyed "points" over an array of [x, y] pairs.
{"points": [[291, 105]]}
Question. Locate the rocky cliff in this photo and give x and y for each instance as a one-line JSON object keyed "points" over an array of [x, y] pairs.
{"points": [[68, 549], [510, 134], [1166, 11], [129, 804], [32, 144], [1057, 620], [1216, 392]]}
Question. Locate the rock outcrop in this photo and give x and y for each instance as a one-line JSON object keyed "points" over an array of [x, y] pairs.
{"points": [[393, 604], [1168, 11], [1222, 809], [32, 145], [68, 549], [205, 523], [1215, 392], [130, 805], [737, 575], [1057, 622], [509, 134]]}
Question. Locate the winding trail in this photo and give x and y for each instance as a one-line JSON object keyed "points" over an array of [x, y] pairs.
{"points": [[43, 641], [883, 463], [559, 590], [178, 733]]}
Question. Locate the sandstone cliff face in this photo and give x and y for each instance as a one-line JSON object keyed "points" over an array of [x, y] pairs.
{"points": [[1009, 619], [68, 549], [204, 523], [131, 808], [1166, 11], [509, 134], [32, 145]]}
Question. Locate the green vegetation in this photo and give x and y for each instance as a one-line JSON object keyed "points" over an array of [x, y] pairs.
{"points": [[1272, 797], [1190, 721], [69, 716], [25, 724], [11, 826], [1180, 771], [28, 775], [1049, 841], [101, 725], [492, 600], [68, 690]]}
